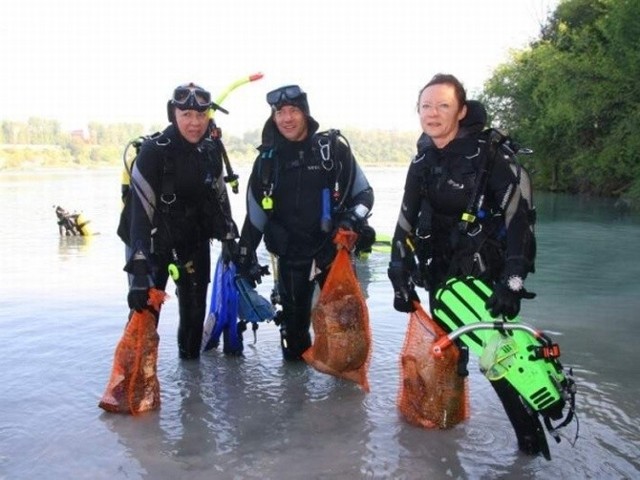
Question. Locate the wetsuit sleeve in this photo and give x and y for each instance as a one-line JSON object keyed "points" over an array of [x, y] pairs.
{"points": [[231, 230], [146, 181], [255, 218], [505, 192], [409, 209], [360, 192]]}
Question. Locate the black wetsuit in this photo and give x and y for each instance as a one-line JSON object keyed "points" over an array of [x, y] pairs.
{"points": [[292, 228], [437, 190], [438, 187], [179, 204]]}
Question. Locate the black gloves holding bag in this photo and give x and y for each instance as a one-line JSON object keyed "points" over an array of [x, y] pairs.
{"points": [[138, 296], [404, 293]]}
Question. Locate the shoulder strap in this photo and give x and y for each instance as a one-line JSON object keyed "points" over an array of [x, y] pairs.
{"points": [[168, 191], [523, 178], [325, 148], [489, 142], [268, 174]]}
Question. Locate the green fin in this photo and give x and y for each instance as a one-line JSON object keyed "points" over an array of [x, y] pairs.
{"points": [[504, 354]]}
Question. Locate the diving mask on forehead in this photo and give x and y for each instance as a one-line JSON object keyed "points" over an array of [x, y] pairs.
{"points": [[288, 95], [283, 94], [193, 97]]}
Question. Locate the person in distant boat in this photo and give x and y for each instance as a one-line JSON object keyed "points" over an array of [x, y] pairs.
{"points": [[179, 203], [303, 186], [439, 220]]}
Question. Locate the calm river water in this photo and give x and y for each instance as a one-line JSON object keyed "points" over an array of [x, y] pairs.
{"points": [[63, 309]]}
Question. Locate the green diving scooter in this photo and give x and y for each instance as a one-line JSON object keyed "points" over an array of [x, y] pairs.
{"points": [[527, 358]]}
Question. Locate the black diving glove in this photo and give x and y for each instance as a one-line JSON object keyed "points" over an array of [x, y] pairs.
{"points": [[366, 239], [348, 221], [254, 273], [353, 219], [229, 251], [138, 296], [404, 293], [248, 267], [506, 297]]}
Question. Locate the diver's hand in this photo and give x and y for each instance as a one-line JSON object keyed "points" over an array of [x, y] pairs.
{"points": [[229, 251], [348, 221], [506, 297], [253, 273], [354, 218], [247, 266], [366, 239], [404, 293], [138, 296]]}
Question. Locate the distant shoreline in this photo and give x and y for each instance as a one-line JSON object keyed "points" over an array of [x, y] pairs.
{"points": [[62, 169]]}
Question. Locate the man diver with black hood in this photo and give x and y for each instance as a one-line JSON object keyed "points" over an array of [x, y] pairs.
{"points": [[178, 204], [303, 186]]}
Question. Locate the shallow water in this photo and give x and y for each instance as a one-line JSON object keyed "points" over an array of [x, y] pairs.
{"points": [[63, 309]]}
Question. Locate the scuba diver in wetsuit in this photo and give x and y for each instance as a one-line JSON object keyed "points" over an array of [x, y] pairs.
{"points": [[303, 185], [71, 224], [179, 203], [448, 173]]}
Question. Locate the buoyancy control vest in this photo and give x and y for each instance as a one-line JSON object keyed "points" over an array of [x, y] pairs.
{"points": [[302, 188], [174, 220], [473, 243], [324, 148]]}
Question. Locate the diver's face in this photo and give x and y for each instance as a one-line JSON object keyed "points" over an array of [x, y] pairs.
{"points": [[291, 123], [192, 124], [440, 111]]}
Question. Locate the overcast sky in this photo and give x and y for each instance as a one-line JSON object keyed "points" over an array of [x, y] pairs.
{"points": [[361, 62]]}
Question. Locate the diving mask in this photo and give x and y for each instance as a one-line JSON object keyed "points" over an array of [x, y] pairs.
{"points": [[191, 97], [284, 94]]}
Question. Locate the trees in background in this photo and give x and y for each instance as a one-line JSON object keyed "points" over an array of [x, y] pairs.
{"points": [[41, 143], [573, 96]]}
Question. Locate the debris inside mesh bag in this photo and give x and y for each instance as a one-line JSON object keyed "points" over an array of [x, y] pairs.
{"points": [[133, 387], [340, 319], [432, 394]]}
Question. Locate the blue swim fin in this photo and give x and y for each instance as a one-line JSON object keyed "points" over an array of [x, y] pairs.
{"points": [[222, 320], [252, 307]]}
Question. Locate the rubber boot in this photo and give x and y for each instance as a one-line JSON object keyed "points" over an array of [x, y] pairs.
{"points": [[294, 345]]}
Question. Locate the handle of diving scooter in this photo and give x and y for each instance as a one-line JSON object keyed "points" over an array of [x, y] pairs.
{"points": [[440, 345], [547, 349]]}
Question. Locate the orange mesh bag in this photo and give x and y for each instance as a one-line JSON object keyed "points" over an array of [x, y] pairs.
{"points": [[340, 319], [133, 387], [432, 394]]}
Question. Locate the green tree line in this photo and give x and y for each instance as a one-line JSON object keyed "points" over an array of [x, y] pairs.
{"points": [[41, 143], [573, 96]]}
